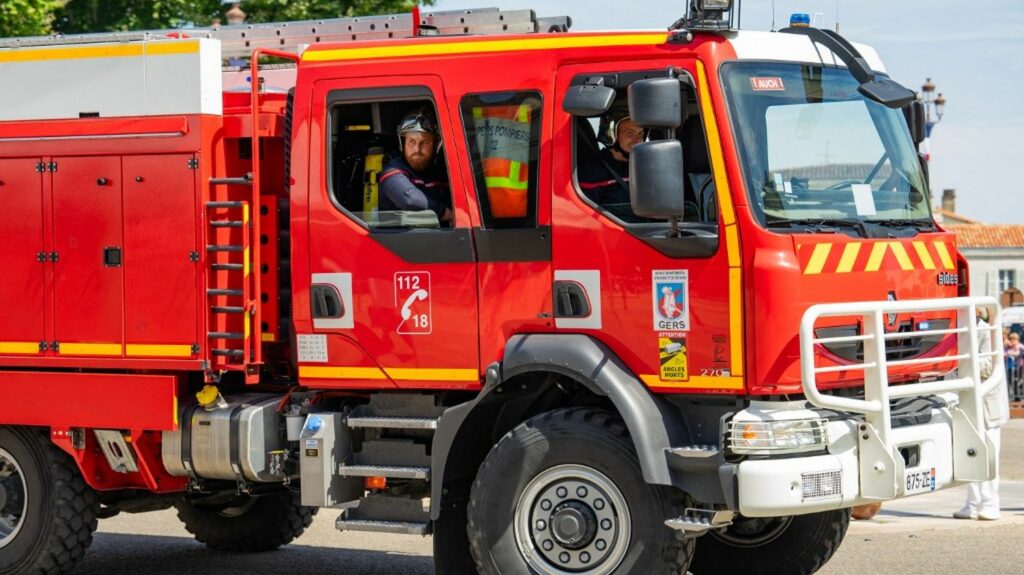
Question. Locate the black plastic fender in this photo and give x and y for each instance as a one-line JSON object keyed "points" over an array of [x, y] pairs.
{"points": [[653, 423]]}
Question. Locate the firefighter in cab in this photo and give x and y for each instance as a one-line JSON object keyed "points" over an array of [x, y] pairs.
{"points": [[409, 182], [606, 182]]}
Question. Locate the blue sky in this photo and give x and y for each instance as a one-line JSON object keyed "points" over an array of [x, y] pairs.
{"points": [[975, 56]]}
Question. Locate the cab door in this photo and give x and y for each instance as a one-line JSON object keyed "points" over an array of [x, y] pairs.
{"points": [[670, 307], [389, 299], [505, 132]]}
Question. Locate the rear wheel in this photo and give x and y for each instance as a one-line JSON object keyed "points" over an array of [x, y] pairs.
{"points": [[47, 512], [797, 545], [247, 524], [564, 493]]}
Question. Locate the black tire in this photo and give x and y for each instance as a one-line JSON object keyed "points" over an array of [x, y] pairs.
{"points": [[55, 527], [248, 524], [798, 545], [572, 439]]}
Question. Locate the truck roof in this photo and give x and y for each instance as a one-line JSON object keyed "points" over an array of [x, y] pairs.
{"points": [[748, 45]]}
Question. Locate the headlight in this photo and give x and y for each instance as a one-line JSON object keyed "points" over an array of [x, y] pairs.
{"points": [[787, 436]]}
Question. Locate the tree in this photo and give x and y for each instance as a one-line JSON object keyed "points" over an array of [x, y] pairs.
{"points": [[79, 16], [26, 17]]}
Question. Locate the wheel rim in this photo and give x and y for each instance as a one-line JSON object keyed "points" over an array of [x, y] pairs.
{"points": [[572, 519], [13, 498], [753, 531]]}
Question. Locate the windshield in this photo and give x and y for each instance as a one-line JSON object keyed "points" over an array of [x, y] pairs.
{"points": [[815, 152]]}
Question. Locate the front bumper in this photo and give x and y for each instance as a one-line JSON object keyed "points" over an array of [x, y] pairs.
{"points": [[810, 483], [868, 458]]}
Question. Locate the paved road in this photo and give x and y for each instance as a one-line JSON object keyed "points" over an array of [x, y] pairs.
{"points": [[916, 535]]}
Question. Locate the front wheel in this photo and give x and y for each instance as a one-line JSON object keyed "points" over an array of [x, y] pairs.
{"points": [[47, 512], [564, 493], [797, 545]]}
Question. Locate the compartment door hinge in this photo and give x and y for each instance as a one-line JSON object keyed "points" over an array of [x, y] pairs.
{"points": [[193, 163]]}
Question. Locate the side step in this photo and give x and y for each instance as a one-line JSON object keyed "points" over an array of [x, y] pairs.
{"points": [[373, 526], [386, 514], [390, 471], [699, 521], [381, 422], [694, 451]]}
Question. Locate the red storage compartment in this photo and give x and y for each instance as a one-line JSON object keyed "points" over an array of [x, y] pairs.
{"points": [[22, 280], [88, 273], [160, 256]]}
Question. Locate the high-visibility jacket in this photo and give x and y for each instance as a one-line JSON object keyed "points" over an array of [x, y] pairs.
{"points": [[503, 140]]}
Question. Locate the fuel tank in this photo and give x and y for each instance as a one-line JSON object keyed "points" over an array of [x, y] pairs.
{"points": [[227, 443]]}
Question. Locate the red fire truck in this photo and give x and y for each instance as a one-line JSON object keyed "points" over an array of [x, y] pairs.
{"points": [[206, 304]]}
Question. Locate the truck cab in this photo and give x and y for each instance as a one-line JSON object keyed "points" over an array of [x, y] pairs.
{"points": [[673, 298]]}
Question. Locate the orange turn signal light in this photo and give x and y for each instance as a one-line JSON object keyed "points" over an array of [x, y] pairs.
{"points": [[375, 483]]}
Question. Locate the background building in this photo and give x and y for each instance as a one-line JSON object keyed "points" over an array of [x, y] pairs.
{"points": [[995, 253]]}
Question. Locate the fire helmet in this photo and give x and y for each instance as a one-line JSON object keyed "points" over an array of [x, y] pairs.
{"points": [[418, 121]]}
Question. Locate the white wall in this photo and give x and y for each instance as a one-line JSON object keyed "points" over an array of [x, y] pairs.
{"points": [[985, 263]]}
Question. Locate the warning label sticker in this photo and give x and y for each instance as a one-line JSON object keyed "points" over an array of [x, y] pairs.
{"points": [[312, 348], [672, 351], [671, 300], [767, 84]]}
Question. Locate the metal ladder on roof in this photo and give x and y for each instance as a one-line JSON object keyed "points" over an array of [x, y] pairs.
{"points": [[238, 41]]}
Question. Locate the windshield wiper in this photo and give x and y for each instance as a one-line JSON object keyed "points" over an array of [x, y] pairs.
{"points": [[817, 224], [917, 224]]}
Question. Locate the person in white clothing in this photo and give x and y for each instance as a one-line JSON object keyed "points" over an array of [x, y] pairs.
{"points": [[983, 496]]}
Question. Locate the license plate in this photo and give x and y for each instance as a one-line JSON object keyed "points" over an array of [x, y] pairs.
{"points": [[919, 480]]}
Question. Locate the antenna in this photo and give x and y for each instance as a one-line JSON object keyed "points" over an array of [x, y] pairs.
{"points": [[837, 16], [773, 15]]}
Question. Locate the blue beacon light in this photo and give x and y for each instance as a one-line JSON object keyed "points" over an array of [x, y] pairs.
{"points": [[314, 423], [800, 20]]}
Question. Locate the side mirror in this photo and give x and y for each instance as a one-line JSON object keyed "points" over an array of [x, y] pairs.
{"points": [[915, 115], [588, 100], [887, 93], [656, 103], [656, 179]]}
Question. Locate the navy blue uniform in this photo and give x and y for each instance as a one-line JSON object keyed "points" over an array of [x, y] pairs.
{"points": [[403, 188], [600, 185]]}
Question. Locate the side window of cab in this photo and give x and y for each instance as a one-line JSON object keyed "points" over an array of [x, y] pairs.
{"points": [[503, 139], [602, 147], [387, 160]]}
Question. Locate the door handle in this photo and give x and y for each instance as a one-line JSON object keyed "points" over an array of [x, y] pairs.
{"points": [[326, 302], [112, 257], [571, 300]]}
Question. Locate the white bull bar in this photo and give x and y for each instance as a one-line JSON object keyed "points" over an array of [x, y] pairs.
{"points": [[881, 465]]}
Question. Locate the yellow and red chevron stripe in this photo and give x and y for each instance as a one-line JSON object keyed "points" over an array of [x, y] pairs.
{"points": [[848, 257]]}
